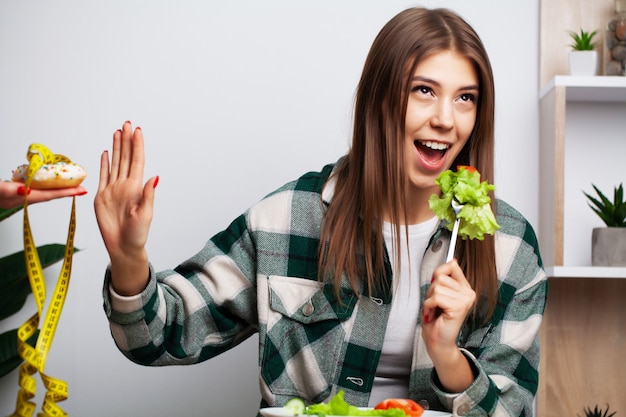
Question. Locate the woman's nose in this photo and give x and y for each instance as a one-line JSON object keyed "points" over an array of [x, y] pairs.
{"points": [[442, 116]]}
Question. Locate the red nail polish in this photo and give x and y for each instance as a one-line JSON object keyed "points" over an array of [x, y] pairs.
{"points": [[80, 193], [138, 128], [156, 182], [432, 279], [426, 320], [21, 190]]}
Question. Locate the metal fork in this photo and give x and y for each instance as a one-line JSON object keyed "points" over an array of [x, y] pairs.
{"points": [[456, 206]]}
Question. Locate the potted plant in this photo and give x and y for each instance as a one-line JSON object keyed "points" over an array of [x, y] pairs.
{"points": [[598, 412], [608, 244], [583, 58]]}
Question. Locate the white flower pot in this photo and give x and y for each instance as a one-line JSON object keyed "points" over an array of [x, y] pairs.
{"points": [[583, 63], [608, 246]]}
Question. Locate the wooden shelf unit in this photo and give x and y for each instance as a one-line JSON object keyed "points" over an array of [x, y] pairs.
{"points": [[590, 89], [585, 272], [561, 93], [583, 336]]}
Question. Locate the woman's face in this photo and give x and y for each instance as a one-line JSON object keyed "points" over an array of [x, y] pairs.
{"points": [[440, 115]]}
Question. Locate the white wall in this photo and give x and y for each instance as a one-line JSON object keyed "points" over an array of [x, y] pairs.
{"points": [[591, 154], [235, 98]]}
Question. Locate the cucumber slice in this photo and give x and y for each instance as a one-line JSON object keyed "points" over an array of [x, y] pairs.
{"points": [[294, 406]]}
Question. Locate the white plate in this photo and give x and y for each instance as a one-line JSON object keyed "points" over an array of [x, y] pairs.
{"points": [[280, 412]]}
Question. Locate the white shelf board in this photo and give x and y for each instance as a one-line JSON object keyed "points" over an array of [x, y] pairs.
{"points": [[606, 88], [586, 272]]}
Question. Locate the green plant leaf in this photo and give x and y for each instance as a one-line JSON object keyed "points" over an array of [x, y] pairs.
{"points": [[13, 297], [598, 412], [600, 209], [14, 284], [583, 41], [619, 210], [599, 205], [13, 266], [612, 213], [618, 193], [4, 213], [9, 357]]}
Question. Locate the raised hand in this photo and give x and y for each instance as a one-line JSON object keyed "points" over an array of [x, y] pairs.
{"points": [[124, 207]]}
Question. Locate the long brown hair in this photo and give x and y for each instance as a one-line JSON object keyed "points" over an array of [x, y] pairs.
{"points": [[371, 178]]}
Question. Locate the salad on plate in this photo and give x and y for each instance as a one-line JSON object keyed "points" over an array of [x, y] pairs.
{"points": [[337, 406]]}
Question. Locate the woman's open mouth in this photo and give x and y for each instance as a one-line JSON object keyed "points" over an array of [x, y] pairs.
{"points": [[430, 151]]}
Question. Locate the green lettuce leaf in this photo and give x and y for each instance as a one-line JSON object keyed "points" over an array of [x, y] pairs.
{"points": [[337, 406], [477, 218]]}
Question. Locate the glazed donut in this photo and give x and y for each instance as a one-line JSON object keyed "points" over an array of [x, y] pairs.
{"points": [[58, 175]]}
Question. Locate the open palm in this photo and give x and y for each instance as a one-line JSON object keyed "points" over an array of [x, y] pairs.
{"points": [[123, 204]]}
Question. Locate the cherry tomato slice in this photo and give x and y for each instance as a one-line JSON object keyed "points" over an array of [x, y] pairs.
{"points": [[410, 407], [467, 167]]}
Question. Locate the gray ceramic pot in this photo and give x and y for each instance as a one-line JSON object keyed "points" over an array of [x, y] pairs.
{"points": [[608, 246]]}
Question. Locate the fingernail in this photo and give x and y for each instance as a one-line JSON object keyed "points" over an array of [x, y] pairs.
{"points": [[432, 279], [426, 319], [80, 193], [138, 128], [22, 189], [156, 182], [127, 122]]}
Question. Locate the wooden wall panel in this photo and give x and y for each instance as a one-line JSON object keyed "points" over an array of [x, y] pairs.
{"points": [[583, 345], [556, 19], [551, 172]]}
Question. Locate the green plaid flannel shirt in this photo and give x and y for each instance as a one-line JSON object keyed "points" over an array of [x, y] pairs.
{"points": [[260, 275]]}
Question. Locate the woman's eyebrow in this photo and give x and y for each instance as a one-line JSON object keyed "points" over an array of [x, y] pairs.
{"points": [[472, 87], [425, 79]]}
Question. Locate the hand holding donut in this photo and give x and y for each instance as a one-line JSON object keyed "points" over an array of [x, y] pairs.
{"points": [[12, 194], [124, 208], [53, 176]]}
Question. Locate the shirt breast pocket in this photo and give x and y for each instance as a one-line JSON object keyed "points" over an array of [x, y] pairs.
{"points": [[306, 329]]}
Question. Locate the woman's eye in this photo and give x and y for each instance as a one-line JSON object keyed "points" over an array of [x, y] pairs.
{"points": [[468, 98], [422, 89]]}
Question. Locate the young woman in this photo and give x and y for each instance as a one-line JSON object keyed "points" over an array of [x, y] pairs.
{"points": [[342, 272]]}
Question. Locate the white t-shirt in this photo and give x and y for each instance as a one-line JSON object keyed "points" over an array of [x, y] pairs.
{"points": [[394, 367]]}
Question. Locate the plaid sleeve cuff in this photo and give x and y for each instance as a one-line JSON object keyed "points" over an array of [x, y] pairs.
{"points": [[126, 309], [462, 403]]}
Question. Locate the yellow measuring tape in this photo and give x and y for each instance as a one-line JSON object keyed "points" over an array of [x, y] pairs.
{"points": [[35, 358]]}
